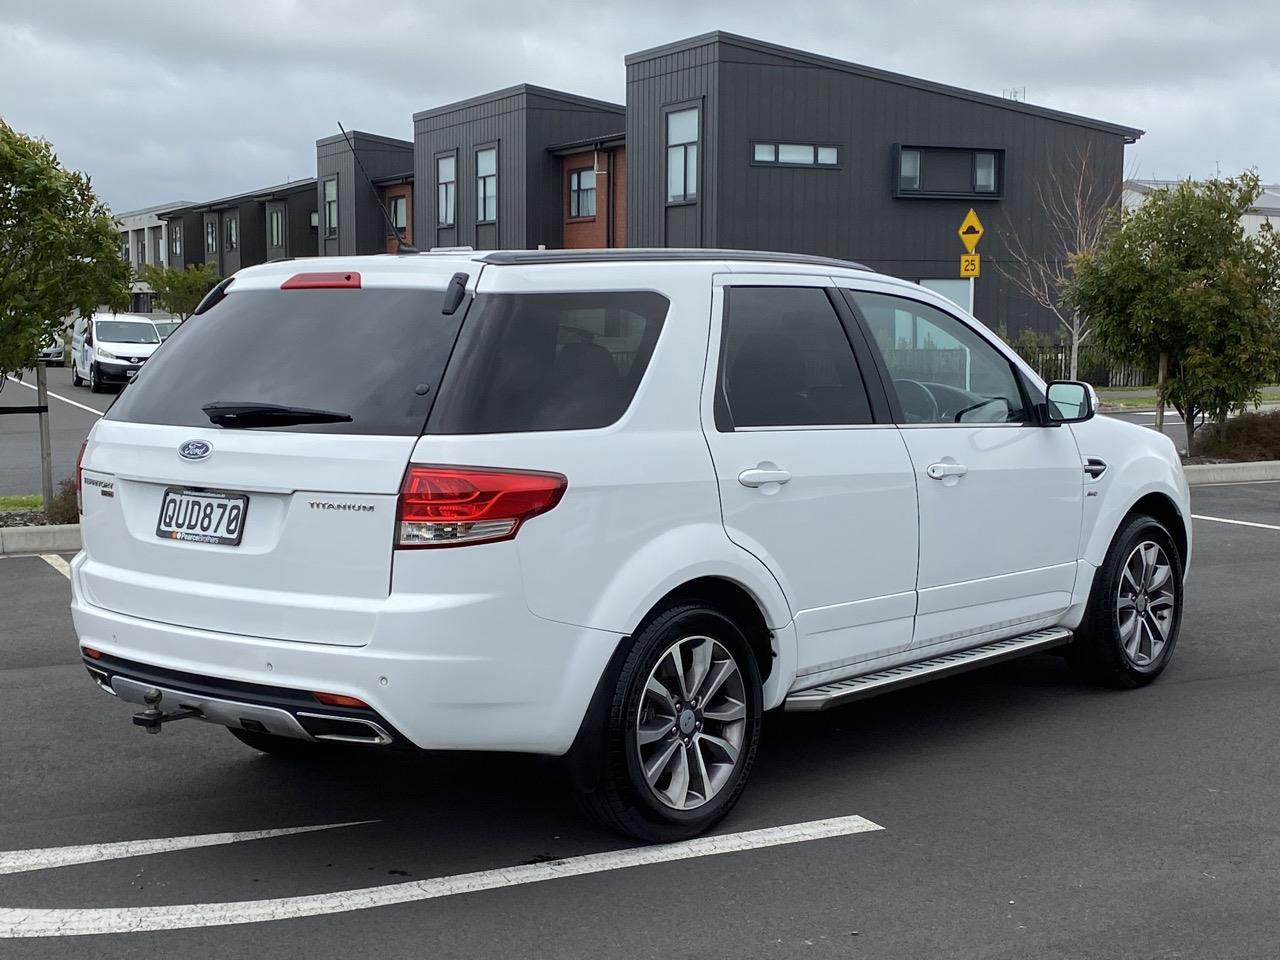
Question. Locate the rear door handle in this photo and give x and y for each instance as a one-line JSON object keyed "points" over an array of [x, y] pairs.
{"points": [[940, 471], [764, 473]]}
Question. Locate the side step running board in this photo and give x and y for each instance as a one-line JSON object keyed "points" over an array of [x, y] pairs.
{"points": [[909, 674]]}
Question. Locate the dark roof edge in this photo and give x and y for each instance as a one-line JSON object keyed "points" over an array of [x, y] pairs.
{"points": [[362, 135], [394, 178], [650, 254], [262, 193], [803, 56], [517, 90], [573, 146]]}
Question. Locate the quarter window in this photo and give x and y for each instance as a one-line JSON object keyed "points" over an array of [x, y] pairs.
{"points": [[331, 207], [446, 190], [582, 192], [942, 370], [486, 185], [682, 155], [786, 360]]}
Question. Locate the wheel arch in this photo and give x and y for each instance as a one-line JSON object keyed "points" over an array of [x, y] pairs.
{"points": [[1162, 507]]}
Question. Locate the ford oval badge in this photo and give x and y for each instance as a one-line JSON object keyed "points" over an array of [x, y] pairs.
{"points": [[195, 449]]}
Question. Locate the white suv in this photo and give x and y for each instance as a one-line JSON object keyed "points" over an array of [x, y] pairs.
{"points": [[610, 505]]}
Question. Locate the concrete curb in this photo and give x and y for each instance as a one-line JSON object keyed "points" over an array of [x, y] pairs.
{"points": [[56, 538], [1199, 474]]}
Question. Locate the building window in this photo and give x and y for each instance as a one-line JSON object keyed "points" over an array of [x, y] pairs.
{"points": [[582, 192], [210, 236], [277, 228], [682, 155], [331, 207], [396, 210], [909, 170], [984, 173], [175, 239], [233, 233], [124, 246], [487, 185], [140, 244], [446, 190], [795, 154]]}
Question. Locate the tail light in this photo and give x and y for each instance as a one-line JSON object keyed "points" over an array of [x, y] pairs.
{"points": [[453, 506], [339, 700], [80, 477]]}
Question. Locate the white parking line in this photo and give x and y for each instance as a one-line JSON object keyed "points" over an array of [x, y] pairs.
{"points": [[64, 568], [21, 861], [1238, 523], [58, 396], [24, 922]]}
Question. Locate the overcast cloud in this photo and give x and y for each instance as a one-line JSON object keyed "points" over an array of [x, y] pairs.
{"points": [[166, 101]]}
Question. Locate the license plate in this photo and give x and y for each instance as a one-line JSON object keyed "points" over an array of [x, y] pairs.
{"points": [[202, 516]]}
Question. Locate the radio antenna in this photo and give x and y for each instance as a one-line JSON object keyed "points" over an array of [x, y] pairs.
{"points": [[401, 246]]}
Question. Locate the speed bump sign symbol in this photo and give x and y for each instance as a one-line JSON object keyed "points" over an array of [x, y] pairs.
{"points": [[969, 264], [970, 233]]}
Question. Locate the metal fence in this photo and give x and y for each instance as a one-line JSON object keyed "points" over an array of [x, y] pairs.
{"points": [[1054, 363]]}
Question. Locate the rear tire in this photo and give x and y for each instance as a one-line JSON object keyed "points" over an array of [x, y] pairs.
{"points": [[290, 748], [682, 730], [1134, 615], [76, 379]]}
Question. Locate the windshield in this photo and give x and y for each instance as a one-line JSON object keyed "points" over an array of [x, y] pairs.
{"points": [[362, 361], [126, 331]]}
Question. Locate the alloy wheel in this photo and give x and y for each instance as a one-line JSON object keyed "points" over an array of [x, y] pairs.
{"points": [[691, 722], [1145, 604]]}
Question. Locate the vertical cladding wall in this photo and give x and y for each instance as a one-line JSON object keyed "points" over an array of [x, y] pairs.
{"points": [[521, 122], [253, 232], [300, 208], [360, 223], [654, 83], [213, 256]]}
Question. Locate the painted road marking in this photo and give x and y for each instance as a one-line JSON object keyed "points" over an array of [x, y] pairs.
{"points": [[1238, 523], [31, 922], [64, 568], [22, 861], [58, 396]]}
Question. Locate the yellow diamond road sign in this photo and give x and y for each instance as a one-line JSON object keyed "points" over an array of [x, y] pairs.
{"points": [[969, 264], [970, 231]]}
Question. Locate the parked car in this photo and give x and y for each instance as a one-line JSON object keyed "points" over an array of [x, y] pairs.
{"points": [[110, 348], [165, 327], [53, 352], [610, 506]]}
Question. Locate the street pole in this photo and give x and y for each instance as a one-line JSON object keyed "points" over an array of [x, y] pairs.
{"points": [[46, 458]]}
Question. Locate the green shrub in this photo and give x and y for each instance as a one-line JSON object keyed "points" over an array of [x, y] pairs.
{"points": [[64, 509], [1250, 436]]}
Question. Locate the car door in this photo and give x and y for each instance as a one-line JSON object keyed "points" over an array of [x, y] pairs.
{"points": [[814, 479], [77, 344], [1000, 495]]}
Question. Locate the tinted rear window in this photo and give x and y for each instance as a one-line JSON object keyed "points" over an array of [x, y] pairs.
{"points": [[375, 354], [548, 361]]}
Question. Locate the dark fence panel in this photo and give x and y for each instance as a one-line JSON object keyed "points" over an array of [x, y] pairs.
{"points": [[1054, 363]]}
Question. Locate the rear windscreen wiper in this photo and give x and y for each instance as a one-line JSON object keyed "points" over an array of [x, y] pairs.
{"points": [[226, 413]]}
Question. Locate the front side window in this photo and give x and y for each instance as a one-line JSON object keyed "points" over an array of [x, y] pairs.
{"points": [[548, 361], [277, 228], [785, 360], [210, 236], [396, 209], [582, 192], [682, 155], [942, 371], [487, 185], [331, 207], [909, 170], [233, 233], [446, 190]]}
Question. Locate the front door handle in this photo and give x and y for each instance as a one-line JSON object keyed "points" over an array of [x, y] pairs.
{"points": [[764, 473], [940, 471]]}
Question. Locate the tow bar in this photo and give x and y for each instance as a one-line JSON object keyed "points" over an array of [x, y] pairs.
{"points": [[151, 718]]}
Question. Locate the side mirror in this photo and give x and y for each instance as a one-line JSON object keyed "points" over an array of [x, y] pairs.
{"points": [[1068, 401]]}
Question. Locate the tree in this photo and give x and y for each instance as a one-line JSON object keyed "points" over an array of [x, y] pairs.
{"points": [[1177, 284], [1075, 204], [59, 249], [179, 291]]}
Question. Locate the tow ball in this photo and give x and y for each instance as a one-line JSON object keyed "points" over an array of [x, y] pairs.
{"points": [[151, 718]]}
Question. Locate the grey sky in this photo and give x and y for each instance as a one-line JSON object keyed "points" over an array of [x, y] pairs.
{"points": [[171, 100]]}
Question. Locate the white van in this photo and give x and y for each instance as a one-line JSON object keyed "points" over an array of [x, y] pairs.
{"points": [[110, 348]]}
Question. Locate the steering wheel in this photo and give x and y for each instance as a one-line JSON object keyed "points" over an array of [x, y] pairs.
{"points": [[918, 402]]}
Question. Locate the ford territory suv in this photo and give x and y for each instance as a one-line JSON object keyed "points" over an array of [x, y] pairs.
{"points": [[606, 505]]}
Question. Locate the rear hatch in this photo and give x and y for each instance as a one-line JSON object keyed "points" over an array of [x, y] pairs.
{"points": [[246, 482]]}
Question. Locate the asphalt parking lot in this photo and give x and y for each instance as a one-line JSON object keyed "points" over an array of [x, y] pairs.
{"points": [[1022, 815]]}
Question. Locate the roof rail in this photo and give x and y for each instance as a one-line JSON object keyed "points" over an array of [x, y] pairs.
{"points": [[646, 254]]}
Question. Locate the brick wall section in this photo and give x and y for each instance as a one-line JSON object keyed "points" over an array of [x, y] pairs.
{"points": [[620, 197], [589, 232], [399, 190]]}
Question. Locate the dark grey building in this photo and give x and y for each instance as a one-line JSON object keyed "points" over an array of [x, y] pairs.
{"points": [[350, 221], [732, 142], [484, 168]]}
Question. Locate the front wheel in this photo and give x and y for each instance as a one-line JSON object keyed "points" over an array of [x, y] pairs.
{"points": [[76, 379], [683, 728], [95, 382], [1135, 608]]}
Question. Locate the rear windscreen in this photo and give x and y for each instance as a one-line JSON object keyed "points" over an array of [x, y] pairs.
{"points": [[548, 361], [375, 355]]}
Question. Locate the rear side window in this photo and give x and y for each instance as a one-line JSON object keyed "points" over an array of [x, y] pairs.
{"points": [[548, 361], [373, 354], [786, 360]]}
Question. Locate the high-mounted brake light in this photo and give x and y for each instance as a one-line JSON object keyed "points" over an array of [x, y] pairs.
{"points": [[453, 506], [339, 700], [80, 477], [322, 281]]}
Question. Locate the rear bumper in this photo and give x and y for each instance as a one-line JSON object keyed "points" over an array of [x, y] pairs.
{"points": [[486, 676]]}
